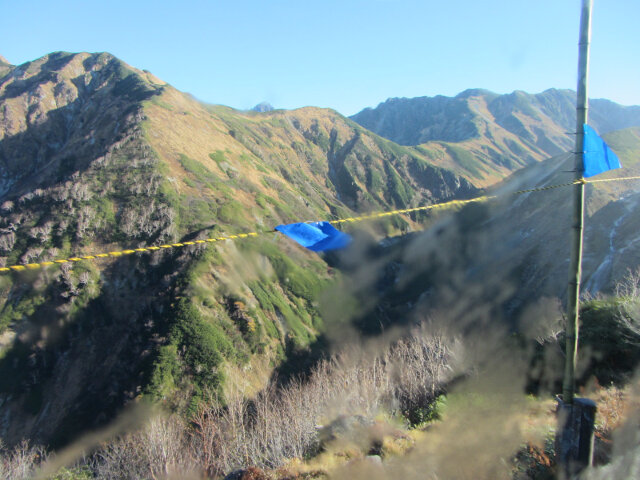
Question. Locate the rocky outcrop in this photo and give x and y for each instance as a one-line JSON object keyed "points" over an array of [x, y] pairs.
{"points": [[61, 112]]}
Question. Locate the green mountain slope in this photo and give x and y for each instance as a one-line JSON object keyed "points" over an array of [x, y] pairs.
{"points": [[97, 156]]}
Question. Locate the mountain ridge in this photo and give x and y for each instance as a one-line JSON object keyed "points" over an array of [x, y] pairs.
{"points": [[96, 155], [500, 132]]}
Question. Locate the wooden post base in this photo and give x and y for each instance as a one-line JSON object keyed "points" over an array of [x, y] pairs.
{"points": [[574, 437]]}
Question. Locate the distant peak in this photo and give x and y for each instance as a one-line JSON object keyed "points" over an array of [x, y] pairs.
{"points": [[4, 60], [263, 107], [476, 92]]}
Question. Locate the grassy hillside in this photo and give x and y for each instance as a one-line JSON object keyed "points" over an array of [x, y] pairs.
{"points": [[451, 354], [98, 156]]}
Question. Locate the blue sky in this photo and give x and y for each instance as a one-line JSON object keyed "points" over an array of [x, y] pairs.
{"points": [[343, 54]]}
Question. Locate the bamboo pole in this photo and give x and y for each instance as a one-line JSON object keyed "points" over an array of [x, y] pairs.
{"points": [[576, 416], [575, 266]]}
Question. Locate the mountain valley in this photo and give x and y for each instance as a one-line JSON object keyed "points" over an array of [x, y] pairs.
{"points": [[97, 156]]}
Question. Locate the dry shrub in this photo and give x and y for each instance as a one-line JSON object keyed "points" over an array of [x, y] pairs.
{"points": [[616, 407], [611, 406], [617, 450], [422, 364], [160, 450], [20, 462], [283, 423], [629, 287], [278, 424], [628, 292]]}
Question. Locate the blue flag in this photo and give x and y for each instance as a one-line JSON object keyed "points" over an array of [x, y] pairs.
{"points": [[598, 157], [316, 236]]}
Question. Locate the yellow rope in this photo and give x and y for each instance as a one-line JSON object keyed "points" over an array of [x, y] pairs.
{"points": [[451, 203], [550, 187], [35, 266], [613, 179]]}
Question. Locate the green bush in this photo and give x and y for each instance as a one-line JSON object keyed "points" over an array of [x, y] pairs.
{"points": [[202, 343], [25, 307], [419, 415], [166, 369], [231, 212], [219, 158], [609, 338], [78, 473], [194, 167]]}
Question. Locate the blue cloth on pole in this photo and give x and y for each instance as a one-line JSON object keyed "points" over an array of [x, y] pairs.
{"points": [[316, 236], [598, 157]]}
